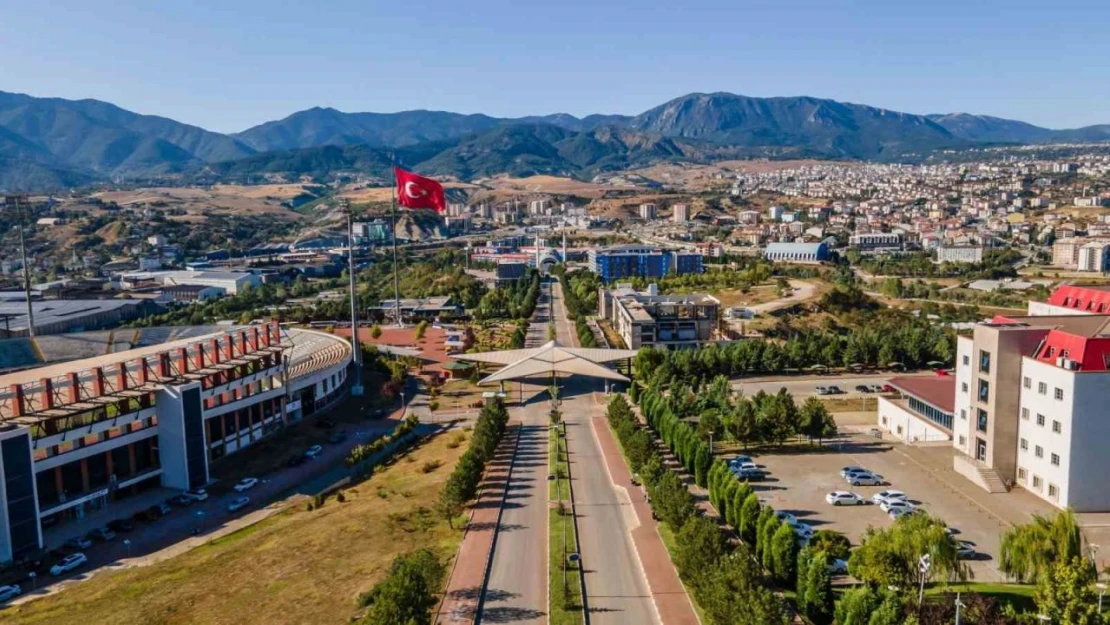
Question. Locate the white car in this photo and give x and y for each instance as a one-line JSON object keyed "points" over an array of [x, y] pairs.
{"points": [[852, 469], [786, 516], [865, 479], [897, 513], [246, 484], [896, 504], [197, 494], [10, 592], [844, 498], [739, 460], [801, 530], [745, 466], [965, 550], [838, 566], [880, 496], [313, 451], [69, 563], [238, 504]]}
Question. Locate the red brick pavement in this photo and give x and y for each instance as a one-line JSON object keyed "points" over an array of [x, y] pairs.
{"points": [[468, 575], [671, 601]]}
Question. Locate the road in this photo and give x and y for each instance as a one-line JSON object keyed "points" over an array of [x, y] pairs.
{"points": [[616, 590], [803, 291]]}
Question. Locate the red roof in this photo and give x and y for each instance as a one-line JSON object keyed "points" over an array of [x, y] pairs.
{"points": [[939, 391], [1090, 352], [1092, 299]]}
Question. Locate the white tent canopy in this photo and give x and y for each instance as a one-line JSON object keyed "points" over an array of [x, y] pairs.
{"points": [[551, 358]]}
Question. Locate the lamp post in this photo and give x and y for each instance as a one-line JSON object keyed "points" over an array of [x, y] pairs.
{"points": [[959, 604], [127, 543], [1101, 591], [1044, 618], [34, 583], [923, 565]]}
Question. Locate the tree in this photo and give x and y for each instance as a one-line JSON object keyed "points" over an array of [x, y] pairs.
{"points": [[866, 606], [749, 519], [834, 544], [450, 503], [818, 598], [702, 462], [742, 425], [1027, 552], [784, 554], [1065, 593], [699, 546], [740, 495], [375, 331], [888, 557], [731, 593], [408, 592], [815, 420]]}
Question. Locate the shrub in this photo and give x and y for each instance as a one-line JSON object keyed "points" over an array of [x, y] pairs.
{"points": [[431, 465]]}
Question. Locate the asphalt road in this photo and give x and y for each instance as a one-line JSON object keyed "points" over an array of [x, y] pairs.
{"points": [[616, 590]]}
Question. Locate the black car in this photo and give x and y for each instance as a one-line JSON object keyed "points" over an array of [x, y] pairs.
{"points": [[751, 475], [337, 438], [144, 516], [863, 388], [296, 461], [121, 525]]}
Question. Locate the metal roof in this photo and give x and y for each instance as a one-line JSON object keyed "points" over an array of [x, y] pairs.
{"points": [[551, 358]]}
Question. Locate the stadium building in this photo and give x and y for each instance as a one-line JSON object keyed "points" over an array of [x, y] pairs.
{"points": [[153, 409]]}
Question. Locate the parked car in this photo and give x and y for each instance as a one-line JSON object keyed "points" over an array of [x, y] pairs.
{"points": [[739, 460], [844, 498], [162, 508], [10, 591], [78, 543], [877, 388], [782, 515], [337, 438], [865, 479], [296, 461], [751, 475], [68, 563], [897, 513], [965, 550], [313, 451], [121, 525], [882, 495], [835, 390], [852, 469], [103, 534], [802, 530], [822, 390], [182, 501], [238, 503], [838, 566], [889, 389], [246, 484], [890, 504], [197, 494], [745, 466], [863, 388]]}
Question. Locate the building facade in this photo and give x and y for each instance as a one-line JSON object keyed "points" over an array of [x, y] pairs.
{"points": [[922, 412], [639, 261], [1094, 256], [876, 241], [797, 252], [960, 254], [77, 436], [647, 319]]}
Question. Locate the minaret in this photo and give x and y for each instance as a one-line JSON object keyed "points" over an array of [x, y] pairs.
{"points": [[564, 245]]}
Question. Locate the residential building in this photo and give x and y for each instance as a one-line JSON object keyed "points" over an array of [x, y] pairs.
{"points": [[797, 252], [876, 241], [1094, 256], [1065, 253], [177, 406], [961, 254], [648, 211], [923, 411], [639, 261], [681, 213], [647, 319]]}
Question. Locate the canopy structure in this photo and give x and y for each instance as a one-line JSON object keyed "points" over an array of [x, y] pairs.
{"points": [[551, 358]]}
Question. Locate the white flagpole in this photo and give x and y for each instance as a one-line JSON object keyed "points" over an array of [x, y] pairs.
{"points": [[396, 279]]}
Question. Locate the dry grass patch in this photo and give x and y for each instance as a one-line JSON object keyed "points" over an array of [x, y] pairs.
{"points": [[295, 567]]}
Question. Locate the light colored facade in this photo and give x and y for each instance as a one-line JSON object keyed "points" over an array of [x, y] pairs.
{"points": [[1065, 253], [922, 412], [681, 213], [1094, 256], [797, 252], [646, 319], [960, 254], [876, 241], [648, 211]]}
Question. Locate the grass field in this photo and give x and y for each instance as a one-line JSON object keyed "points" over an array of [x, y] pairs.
{"points": [[295, 567], [1020, 596]]}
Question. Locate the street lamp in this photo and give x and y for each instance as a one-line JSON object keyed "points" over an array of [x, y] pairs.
{"points": [[34, 584], [1044, 618], [923, 565], [959, 604], [1101, 591], [127, 543]]}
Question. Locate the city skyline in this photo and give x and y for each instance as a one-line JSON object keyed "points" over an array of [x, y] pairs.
{"points": [[223, 73]]}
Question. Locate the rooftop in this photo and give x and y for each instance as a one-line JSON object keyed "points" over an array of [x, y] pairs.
{"points": [[939, 391]]}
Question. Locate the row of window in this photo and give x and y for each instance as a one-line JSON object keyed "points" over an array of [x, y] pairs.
{"points": [[1038, 484], [1057, 427], [1042, 388], [1038, 451]]}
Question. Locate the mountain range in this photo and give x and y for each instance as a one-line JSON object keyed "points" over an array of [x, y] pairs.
{"points": [[53, 143]]}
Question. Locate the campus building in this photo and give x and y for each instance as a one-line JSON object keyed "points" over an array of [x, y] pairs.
{"points": [[78, 435], [960, 254], [647, 319], [797, 252], [640, 261], [876, 241], [922, 411]]}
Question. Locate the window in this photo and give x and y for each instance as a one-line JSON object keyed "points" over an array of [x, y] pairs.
{"points": [[984, 391], [1025, 414], [984, 361], [1024, 445], [1021, 474], [963, 441], [1040, 420], [1055, 460], [982, 424], [963, 386], [963, 414], [1037, 483], [1038, 451], [1059, 394], [1042, 388], [1056, 427], [1027, 383], [967, 359], [1053, 492]]}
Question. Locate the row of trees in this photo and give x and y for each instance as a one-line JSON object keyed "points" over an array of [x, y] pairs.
{"points": [[462, 485], [408, 593], [724, 577], [517, 300], [585, 334], [579, 291]]}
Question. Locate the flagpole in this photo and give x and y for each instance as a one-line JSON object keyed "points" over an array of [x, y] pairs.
{"points": [[396, 279]]}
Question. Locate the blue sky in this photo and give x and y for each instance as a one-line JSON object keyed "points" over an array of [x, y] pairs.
{"points": [[227, 65]]}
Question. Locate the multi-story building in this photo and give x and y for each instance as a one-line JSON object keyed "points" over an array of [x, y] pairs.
{"points": [[647, 319], [1094, 256], [922, 412], [876, 241], [648, 211], [1074, 300], [1065, 253], [960, 254], [797, 252], [77, 436], [509, 271], [681, 213], [640, 261]]}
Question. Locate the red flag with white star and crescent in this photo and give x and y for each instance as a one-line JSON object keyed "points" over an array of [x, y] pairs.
{"points": [[415, 191]]}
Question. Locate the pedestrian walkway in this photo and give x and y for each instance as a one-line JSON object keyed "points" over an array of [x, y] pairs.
{"points": [[669, 595], [468, 574]]}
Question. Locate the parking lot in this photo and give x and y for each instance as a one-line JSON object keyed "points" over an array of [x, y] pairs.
{"points": [[798, 482]]}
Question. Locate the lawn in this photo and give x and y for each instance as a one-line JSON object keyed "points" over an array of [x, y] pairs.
{"points": [[1020, 596], [565, 599], [295, 567]]}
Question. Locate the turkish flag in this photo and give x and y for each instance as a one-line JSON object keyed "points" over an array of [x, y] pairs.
{"points": [[415, 191]]}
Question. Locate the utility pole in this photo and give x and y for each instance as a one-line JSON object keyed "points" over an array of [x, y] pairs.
{"points": [[356, 356], [16, 202]]}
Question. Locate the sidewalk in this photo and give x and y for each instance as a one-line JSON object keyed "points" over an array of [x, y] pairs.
{"points": [[671, 601], [468, 574]]}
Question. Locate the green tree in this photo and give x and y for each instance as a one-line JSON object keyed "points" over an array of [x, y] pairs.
{"points": [[408, 592], [784, 554], [1028, 551], [835, 544], [702, 462], [732, 593], [699, 546], [888, 557], [736, 509], [743, 424], [1065, 593], [815, 420], [818, 597], [765, 527], [749, 519]]}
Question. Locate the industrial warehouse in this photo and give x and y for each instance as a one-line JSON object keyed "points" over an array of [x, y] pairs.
{"points": [[77, 435]]}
